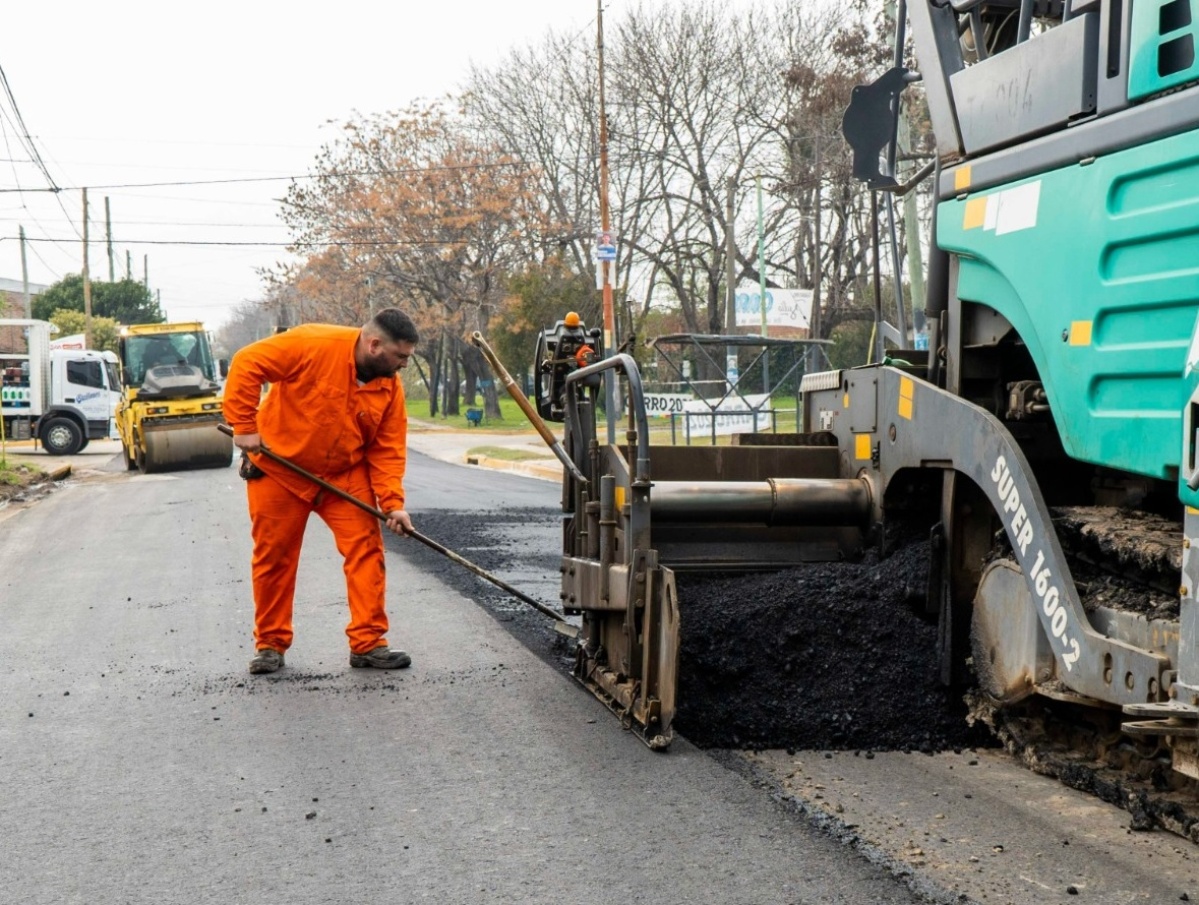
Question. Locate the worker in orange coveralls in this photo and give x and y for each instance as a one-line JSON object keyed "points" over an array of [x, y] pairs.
{"points": [[335, 408]]}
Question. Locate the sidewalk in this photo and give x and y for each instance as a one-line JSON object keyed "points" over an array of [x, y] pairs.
{"points": [[97, 454], [452, 445]]}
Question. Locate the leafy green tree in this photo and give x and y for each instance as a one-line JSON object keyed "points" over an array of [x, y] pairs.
{"points": [[537, 298], [105, 330], [125, 301], [851, 344]]}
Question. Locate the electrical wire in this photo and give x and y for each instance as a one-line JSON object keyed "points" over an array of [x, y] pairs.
{"points": [[348, 174], [28, 142], [351, 243], [177, 223], [61, 206], [8, 147]]}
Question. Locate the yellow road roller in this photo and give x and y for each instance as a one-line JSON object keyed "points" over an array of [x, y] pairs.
{"points": [[170, 399]]}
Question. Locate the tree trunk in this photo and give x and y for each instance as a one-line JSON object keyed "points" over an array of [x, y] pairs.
{"points": [[491, 400], [452, 407], [435, 368]]}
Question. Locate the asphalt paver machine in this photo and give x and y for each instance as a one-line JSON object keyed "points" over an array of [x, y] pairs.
{"points": [[1049, 431]]}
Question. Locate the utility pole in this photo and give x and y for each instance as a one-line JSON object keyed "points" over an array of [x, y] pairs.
{"points": [[128, 265], [112, 275], [87, 281], [606, 275], [762, 290], [730, 253], [814, 322], [146, 272], [25, 276]]}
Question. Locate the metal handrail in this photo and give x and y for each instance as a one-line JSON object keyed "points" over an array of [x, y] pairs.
{"points": [[623, 363]]}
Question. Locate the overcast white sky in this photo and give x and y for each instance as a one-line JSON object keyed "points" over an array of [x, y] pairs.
{"points": [[134, 92]]}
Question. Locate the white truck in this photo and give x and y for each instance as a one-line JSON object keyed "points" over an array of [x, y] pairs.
{"points": [[62, 398]]}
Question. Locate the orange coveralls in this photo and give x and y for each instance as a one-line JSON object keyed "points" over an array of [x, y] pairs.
{"points": [[353, 436]]}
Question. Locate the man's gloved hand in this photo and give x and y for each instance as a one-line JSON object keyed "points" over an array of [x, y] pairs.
{"points": [[248, 470]]}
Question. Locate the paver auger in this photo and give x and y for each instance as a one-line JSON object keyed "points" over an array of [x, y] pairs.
{"points": [[711, 509]]}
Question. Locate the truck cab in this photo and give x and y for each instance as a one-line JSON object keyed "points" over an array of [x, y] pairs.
{"points": [[86, 386], [62, 398]]}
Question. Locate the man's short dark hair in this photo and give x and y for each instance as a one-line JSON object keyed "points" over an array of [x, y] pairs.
{"points": [[396, 325]]}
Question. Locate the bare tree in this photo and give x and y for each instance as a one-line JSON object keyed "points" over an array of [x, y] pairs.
{"points": [[539, 105], [406, 209], [439, 209], [700, 99], [249, 322]]}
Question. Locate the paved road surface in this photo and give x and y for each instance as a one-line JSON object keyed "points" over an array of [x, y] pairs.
{"points": [[141, 764], [507, 783], [972, 823]]}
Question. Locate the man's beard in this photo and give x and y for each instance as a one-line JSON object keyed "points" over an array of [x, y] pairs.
{"points": [[372, 369]]}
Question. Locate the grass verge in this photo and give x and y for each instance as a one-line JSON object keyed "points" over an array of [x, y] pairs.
{"points": [[16, 477], [512, 418], [506, 453]]}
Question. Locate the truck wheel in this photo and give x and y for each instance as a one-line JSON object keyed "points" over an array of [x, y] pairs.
{"points": [[61, 437]]}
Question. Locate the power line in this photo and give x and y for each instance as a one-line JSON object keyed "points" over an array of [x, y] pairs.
{"points": [[373, 243], [339, 175], [272, 204], [45, 263], [175, 223], [7, 146], [24, 131], [58, 200]]}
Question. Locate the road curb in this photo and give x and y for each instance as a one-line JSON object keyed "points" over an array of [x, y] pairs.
{"points": [[548, 470], [58, 473]]}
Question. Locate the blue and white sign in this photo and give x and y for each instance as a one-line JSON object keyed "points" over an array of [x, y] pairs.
{"points": [[784, 307]]}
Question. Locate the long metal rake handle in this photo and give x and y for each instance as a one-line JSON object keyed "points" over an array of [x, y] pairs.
{"points": [[415, 535]]}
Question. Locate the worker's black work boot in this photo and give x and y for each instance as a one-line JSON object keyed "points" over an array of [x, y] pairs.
{"points": [[381, 658], [266, 660]]}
